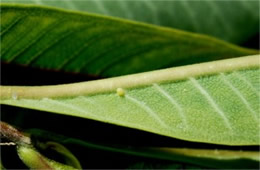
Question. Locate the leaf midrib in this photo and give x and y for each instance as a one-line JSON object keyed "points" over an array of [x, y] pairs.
{"points": [[131, 81]]}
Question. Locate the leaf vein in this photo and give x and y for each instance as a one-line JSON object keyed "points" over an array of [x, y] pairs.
{"points": [[224, 24], [71, 5], [10, 26], [126, 10], [153, 12], [244, 79], [211, 102], [101, 6], [43, 33], [36, 56], [191, 15], [173, 102], [147, 109], [66, 35], [67, 105], [9, 45], [88, 43], [86, 62], [136, 51], [241, 97]]}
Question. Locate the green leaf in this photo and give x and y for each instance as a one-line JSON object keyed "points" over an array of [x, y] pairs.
{"points": [[214, 102], [213, 158], [234, 21], [91, 44]]}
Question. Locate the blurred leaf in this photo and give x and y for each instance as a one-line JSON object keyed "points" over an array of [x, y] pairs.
{"points": [[233, 21], [213, 158]]}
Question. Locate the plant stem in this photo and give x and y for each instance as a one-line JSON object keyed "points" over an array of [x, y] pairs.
{"points": [[12, 134]]}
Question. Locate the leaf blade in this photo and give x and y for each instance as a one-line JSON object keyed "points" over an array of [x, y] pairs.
{"points": [[100, 45], [233, 21], [201, 107]]}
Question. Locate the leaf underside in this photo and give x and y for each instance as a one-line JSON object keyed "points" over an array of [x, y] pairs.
{"points": [[220, 108]]}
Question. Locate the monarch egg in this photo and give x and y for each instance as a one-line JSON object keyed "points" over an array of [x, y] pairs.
{"points": [[120, 92]]}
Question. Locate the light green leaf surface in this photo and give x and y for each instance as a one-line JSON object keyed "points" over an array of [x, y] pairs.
{"points": [[233, 21], [215, 102], [103, 46]]}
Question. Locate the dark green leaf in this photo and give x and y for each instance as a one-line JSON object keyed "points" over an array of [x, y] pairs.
{"points": [[76, 42], [234, 21]]}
